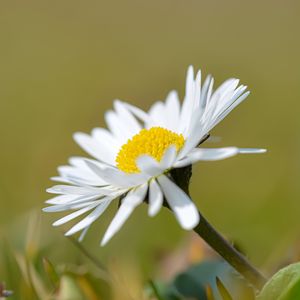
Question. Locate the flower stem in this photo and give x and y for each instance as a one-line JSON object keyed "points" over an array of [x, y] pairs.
{"points": [[213, 238], [238, 261]]}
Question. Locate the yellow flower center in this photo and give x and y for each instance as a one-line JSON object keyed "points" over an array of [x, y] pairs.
{"points": [[153, 142]]}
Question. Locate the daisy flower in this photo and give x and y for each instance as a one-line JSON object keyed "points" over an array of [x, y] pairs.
{"points": [[132, 159]]}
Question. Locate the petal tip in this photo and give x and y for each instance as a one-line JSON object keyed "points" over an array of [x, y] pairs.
{"points": [[152, 212], [262, 150], [104, 241], [69, 233], [193, 223], [252, 151], [77, 136], [56, 223]]}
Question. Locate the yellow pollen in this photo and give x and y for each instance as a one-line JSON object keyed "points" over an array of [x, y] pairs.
{"points": [[153, 142]]}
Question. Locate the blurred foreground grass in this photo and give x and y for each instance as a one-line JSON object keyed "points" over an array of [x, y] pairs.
{"points": [[32, 270], [29, 269]]}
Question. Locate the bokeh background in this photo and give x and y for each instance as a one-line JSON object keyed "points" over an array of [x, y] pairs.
{"points": [[62, 63]]}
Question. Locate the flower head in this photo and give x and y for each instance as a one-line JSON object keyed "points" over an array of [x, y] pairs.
{"points": [[133, 158]]}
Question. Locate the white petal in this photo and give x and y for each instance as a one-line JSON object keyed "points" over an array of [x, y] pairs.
{"points": [[83, 233], [103, 152], [183, 207], [206, 154], [206, 92], [122, 123], [196, 134], [216, 108], [78, 190], [139, 113], [88, 220], [61, 179], [75, 203], [64, 207], [108, 142], [158, 116], [223, 92], [129, 203], [116, 177], [80, 176], [188, 102], [148, 165], [228, 100], [172, 111], [73, 215], [78, 161], [128, 120], [225, 101], [197, 90], [103, 135], [251, 150], [168, 158], [116, 126], [226, 111], [221, 98], [155, 198], [62, 199]]}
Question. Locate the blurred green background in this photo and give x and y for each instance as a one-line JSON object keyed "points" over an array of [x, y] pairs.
{"points": [[62, 63]]}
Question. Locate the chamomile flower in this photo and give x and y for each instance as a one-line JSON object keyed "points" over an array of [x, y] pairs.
{"points": [[132, 159]]}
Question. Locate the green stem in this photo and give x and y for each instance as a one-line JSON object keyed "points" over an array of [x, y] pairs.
{"points": [[238, 261], [215, 240]]}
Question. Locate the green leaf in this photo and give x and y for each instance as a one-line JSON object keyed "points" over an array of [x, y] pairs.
{"points": [[199, 282], [284, 285], [189, 287]]}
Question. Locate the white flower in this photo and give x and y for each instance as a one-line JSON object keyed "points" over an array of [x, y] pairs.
{"points": [[133, 157]]}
